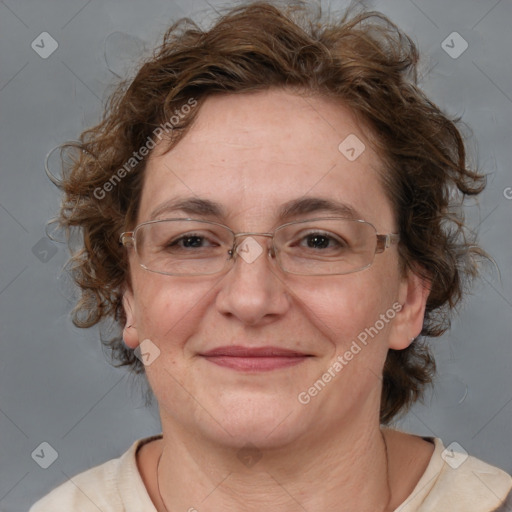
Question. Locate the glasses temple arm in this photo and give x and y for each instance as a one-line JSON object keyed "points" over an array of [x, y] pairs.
{"points": [[126, 238], [385, 241]]}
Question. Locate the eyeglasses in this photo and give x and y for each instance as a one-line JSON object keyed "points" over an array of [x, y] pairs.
{"points": [[316, 247]]}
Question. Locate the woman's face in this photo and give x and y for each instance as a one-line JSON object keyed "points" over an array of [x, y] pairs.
{"points": [[251, 154]]}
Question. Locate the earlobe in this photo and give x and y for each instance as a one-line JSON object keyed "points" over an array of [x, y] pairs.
{"points": [[408, 323], [130, 334]]}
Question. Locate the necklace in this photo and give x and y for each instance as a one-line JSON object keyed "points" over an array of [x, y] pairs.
{"points": [[387, 476], [158, 480], [387, 471]]}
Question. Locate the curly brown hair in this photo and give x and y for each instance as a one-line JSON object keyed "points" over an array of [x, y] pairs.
{"points": [[362, 60]]}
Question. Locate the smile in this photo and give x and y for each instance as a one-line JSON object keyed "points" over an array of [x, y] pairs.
{"points": [[254, 359]]}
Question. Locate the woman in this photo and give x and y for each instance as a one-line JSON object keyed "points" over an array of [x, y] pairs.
{"points": [[266, 214]]}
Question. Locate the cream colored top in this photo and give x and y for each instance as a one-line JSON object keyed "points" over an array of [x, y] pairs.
{"points": [[457, 485]]}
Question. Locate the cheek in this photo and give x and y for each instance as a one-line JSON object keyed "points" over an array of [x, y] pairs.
{"points": [[168, 310], [346, 307]]}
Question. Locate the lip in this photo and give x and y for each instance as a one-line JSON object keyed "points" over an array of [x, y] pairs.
{"points": [[241, 351], [254, 359]]}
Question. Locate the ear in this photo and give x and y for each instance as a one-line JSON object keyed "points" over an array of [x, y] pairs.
{"points": [[130, 334], [408, 323]]}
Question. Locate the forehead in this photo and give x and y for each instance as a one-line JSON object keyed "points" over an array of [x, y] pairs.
{"points": [[253, 153]]}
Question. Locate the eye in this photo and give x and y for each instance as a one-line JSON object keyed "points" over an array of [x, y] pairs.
{"points": [[322, 241], [318, 241], [191, 241]]}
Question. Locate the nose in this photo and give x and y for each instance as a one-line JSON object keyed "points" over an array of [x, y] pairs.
{"points": [[253, 290]]}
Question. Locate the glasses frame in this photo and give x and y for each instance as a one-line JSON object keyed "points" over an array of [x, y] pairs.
{"points": [[384, 241]]}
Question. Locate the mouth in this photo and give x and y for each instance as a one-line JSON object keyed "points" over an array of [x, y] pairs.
{"points": [[257, 359]]}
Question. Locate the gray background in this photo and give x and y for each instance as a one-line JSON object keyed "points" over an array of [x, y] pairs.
{"points": [[56, 385]]}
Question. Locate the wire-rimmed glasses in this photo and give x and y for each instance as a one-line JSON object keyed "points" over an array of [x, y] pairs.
{"points": [[319, 246]]}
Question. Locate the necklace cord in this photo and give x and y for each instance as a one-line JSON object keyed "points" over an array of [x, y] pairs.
{"points": [[158, 481]]}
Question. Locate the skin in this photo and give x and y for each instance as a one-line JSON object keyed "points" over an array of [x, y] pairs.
{"points": [[252, 153]]}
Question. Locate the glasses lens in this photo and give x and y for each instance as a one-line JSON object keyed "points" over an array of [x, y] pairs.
{"points": [[325, 246], [183, 247]]}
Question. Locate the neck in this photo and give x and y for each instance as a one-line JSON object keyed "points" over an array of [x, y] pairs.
{"points": [[344, 472]]}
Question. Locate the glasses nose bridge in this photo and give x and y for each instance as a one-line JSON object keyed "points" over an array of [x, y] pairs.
{"points": [[245, 234], [252, 233]]}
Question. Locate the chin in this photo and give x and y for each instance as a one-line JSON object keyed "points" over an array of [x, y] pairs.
{"points": [[268, 423]]}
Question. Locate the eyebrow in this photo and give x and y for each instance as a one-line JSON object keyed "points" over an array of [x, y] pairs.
{"points": [[307, 205], [190, 206], [296, 207]]}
